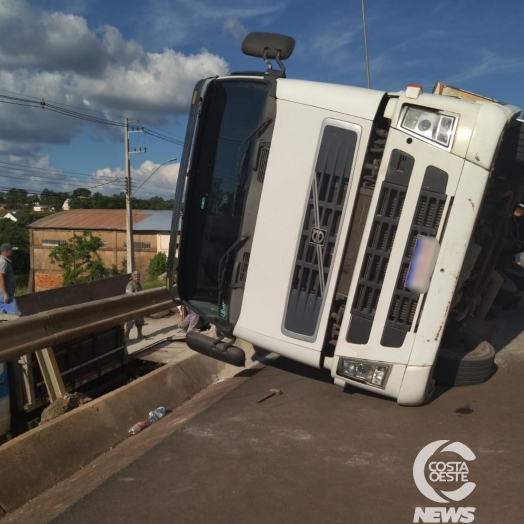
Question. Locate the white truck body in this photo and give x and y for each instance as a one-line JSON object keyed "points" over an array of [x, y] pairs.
{"points": [[328, 242]]}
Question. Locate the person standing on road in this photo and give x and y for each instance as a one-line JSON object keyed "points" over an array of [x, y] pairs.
{"points": [[7, 281], [190, 321], [516, 227], [134, 286]]}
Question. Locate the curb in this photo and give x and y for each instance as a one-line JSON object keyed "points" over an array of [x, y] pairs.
{"points": [[40, 458]]}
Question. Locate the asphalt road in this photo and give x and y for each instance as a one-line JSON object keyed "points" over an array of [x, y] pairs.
{"points": [[315, 453]]}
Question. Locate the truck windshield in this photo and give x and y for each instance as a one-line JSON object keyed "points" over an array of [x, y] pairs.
{"points": [[217, 188]]}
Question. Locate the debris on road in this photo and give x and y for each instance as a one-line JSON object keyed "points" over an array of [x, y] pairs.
{"points": [[157, 414], [272, 392], [139, 426], [153, 416], [63, 405]]}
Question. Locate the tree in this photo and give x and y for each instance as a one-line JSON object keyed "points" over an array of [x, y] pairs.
{"points": [[15, 198], [17, 234], [157, 265], [81, 192], [79, 260], [53, 199], [80, 203]]}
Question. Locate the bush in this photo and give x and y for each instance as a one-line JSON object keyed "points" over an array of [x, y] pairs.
{"points": [[21, 280], [157, 265], [79, 260]]}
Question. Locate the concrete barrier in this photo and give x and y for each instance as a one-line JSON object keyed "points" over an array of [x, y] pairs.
{"points": [[39, 459]]}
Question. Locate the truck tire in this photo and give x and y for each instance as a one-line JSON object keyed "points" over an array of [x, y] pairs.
{"points": [[513, 303], [456, 367]]}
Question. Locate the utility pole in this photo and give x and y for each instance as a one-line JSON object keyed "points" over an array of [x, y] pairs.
{"points": [[129, 208]]}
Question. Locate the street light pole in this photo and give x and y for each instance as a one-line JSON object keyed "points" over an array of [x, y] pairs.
{"points": [[162, 164], [366, 44], [129, 210]]}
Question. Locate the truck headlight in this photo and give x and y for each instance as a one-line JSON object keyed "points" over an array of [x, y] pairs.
{"points": [[428, 124], [371, 373]]}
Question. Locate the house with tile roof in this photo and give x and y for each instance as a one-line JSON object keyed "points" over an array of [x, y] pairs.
{"points": [[151, 233]]}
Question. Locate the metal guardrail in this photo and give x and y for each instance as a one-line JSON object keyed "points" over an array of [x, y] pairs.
{"points": [[25, 335]]}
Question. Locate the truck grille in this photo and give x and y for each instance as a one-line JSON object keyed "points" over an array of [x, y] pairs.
{"points": [[319, 231], [378, 249], [426, 221], [376, 258]]}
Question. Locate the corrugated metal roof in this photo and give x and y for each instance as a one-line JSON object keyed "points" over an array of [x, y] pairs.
{"points": [[112, 219]]}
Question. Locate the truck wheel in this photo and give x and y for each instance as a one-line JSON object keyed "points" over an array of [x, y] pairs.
{"points": [[513, 303], [456, 367]]}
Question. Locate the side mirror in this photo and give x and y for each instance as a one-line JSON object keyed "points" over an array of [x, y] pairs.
{"points": [[268, 45]]}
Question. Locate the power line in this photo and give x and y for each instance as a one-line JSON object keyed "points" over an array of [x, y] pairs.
{"points": [[62, 104], [45, 177], [38, 100], [164, 131], [56, 107], [162, 137], [25, 166], [42, 104]]}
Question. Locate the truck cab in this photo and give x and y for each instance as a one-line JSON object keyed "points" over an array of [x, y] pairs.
{"points": [[332, 224]]}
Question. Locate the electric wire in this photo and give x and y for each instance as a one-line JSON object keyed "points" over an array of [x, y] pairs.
{"points": [[36, 173], [61, 109], [62, 104], [25, 166]]}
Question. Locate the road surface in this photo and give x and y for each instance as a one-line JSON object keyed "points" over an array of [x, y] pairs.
{"points": [[314, 454]]}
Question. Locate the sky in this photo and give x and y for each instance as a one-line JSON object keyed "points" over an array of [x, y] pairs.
{"points": [[92, 63]]}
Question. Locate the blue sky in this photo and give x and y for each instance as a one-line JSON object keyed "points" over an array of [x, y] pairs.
{"points": [[111, 59]]}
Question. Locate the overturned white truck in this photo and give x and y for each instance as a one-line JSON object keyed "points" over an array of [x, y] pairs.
{"points": [[360, 231]]}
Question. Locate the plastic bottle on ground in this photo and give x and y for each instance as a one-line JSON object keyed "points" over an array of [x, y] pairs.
{"points": [[157, 414], [139, 426]]}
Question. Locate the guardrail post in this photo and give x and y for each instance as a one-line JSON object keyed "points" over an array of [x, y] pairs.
{"points": [[52, 377], [25, 373]]}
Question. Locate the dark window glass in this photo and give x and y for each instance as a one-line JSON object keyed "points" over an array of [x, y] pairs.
{"points": [[217, 190]]}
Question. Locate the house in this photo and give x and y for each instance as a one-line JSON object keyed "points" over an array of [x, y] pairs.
{"points": [[10, 217], [40, 207], [151, 233]]}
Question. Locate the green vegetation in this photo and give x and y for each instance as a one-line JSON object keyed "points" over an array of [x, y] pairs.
{"points": [[152, 284], [20, 203], [16, 233], [79, 260], [81, 198], [157, 265]]}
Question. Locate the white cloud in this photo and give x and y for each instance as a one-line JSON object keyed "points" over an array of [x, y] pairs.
{"points": [[488, 63], [156, 85], [150, 179], [57, 57], [191, 19], [155, 180], [234, 27]]}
